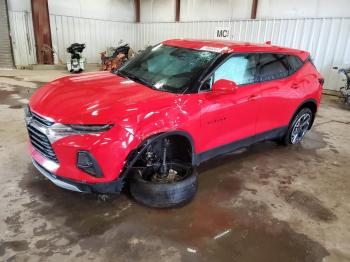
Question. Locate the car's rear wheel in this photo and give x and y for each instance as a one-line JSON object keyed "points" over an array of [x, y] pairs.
{"points": [[174, 187], [298, 127]]}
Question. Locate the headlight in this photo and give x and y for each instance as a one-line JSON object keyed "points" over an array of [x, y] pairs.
{"points": [[58, 131]]}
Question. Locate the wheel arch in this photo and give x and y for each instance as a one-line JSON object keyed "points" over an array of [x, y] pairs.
{"points": [[135, 154], [309, 103]]}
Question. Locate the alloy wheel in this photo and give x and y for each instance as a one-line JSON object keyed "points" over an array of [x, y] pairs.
{"points": [[300, 128]]}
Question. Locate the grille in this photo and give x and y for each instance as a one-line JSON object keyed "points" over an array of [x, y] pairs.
{"points": [[41, 120], [41, 143]]}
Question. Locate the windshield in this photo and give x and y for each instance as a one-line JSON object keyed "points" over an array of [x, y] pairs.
{"points": [[168, 68]]}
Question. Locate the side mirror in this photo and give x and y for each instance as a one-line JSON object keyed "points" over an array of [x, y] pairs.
{"points": [[224, 86]]}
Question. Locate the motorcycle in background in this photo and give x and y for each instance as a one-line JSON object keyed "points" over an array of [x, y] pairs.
{"points": [[345, 90], [118, 56], [76, 64]]}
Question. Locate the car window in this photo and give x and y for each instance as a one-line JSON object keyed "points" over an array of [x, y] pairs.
{"points": [[240, 69], [273, 66], [294, 62]]}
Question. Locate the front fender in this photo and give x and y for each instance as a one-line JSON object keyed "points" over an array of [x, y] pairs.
{"points": [[145, 124]]}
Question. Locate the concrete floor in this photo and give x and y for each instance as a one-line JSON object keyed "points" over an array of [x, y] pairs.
{"points": [[264, 203]]}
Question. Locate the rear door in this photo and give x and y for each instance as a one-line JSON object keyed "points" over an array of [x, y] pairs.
{"points": [[279, 92]]}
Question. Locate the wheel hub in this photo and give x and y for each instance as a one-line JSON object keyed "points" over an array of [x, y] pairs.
{"points": [[300, 128]]}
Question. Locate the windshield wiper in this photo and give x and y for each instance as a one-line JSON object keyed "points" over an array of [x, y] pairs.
{"points": [[120, 73]]}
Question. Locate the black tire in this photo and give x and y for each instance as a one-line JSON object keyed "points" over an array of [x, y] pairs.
{"points": [[287, 139], [164, 195]]}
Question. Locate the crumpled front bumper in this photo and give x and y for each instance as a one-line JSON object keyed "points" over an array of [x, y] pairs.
{"points": [[112, 187]]}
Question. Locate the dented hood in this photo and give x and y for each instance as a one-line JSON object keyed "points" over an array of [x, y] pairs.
{"points": [[96, 98]]}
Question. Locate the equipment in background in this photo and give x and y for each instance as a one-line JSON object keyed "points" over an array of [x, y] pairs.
{"points": [[113, 58], [345, 90], [77, 61]]}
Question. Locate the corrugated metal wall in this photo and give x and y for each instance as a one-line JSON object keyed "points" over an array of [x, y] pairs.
{"points": [[6, 60], [328, 39], [22, 36], [96, 34]]}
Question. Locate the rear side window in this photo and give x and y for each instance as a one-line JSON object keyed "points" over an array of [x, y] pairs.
{"points": [[242, 69], [294, 62], [311, 61], [273, 66]]}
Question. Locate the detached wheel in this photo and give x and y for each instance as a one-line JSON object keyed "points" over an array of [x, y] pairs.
{"points": [[298, 128], [175, 187]]}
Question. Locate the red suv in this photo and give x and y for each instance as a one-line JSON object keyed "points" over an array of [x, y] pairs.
{"points": [[161, 114]]}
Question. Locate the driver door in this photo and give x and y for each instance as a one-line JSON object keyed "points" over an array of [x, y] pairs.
{"points": [[228, 120]]}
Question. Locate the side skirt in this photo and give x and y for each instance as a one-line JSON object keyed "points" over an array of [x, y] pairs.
{"points": [[222, 150]]}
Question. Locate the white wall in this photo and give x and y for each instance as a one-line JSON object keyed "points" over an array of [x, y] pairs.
{"points": [[191, 10], [224, 10], [157, 11], [19, 5], [303, 8], [211, 10], [115, 10]]}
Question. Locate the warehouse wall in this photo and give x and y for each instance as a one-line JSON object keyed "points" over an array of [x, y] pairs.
{"points": [[211, 10], [19, 5], [191, 10], [99, 24], [157, 10], [97, 34], [303, 8], [22, 34], [115, 10], [224, 10]]}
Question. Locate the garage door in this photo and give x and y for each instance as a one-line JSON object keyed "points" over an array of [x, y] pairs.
{"points": [[6, 59]]}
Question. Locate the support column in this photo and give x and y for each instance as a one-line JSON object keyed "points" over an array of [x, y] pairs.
{"points": [[254, 9], [137, 11], [42, 31], [177, 11]]}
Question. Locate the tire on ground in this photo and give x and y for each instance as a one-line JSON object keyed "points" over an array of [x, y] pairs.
{"points": [[286, 139], [164, 195]]}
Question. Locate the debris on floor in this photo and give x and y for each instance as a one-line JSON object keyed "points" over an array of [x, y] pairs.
{"points": [[222, 234], [191, 250]]}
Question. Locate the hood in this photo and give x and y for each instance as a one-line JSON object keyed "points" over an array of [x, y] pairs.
{"points": [[96, 98]]}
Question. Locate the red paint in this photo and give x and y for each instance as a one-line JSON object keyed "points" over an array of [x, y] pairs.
{"points": [[137, 112]]}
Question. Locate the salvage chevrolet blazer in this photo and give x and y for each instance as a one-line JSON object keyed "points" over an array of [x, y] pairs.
{"points": [[175, 105]]}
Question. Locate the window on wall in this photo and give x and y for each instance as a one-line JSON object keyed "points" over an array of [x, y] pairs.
{"points": [[273, 66], [241, 69]]}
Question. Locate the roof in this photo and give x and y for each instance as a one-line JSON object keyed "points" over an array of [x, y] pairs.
{"points": [[234, 47]]}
